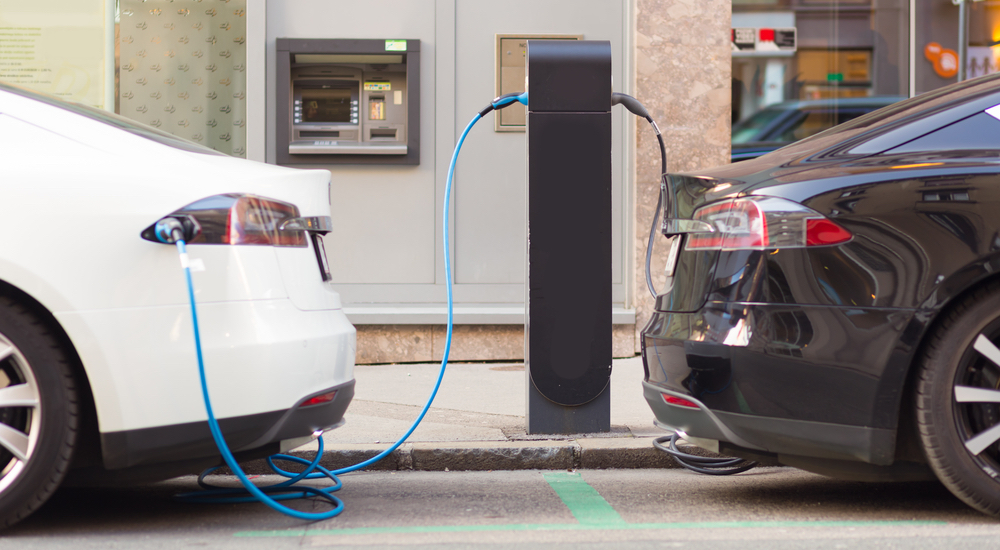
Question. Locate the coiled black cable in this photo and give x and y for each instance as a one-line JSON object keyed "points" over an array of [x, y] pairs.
{"points": [[722, 466]]}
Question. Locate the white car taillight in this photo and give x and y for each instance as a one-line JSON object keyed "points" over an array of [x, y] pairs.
{"points": [[238, 219], [756, 223]]}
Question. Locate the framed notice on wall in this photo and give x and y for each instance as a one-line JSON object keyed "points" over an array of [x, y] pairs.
{"points": [[511, 54], [61, 47]]}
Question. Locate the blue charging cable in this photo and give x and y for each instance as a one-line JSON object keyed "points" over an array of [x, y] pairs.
{"points": [[498, 103], [170, 230], [284, 489]]}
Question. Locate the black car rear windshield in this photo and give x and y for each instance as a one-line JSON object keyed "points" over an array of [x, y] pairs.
{"points": [[112, 119]]}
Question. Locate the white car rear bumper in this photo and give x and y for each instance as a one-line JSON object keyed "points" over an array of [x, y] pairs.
{"points": [[260, 356]]}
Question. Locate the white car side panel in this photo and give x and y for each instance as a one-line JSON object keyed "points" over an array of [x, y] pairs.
{"points": [[260, 356]]}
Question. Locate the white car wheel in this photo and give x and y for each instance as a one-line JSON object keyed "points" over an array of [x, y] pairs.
{"points": [[38, 412]]}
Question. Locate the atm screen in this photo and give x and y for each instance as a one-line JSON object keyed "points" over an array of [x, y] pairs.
{"points": [[326, 105]]}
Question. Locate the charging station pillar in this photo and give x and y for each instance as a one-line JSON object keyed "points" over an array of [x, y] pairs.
{"points": [[568, 303]]}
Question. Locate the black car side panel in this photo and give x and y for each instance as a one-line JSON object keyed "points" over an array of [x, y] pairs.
{"points": [[916, 233]]}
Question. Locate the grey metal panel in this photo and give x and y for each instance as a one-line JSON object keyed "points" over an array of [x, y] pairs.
{"points": [[386, 243], [446, 136], [490, 180], [383, 217]]}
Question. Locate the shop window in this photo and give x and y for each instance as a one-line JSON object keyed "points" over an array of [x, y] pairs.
{"points": [[182, 69], [812, 122], [847, 51], [815, 121], [849, 57], [828, 74]]}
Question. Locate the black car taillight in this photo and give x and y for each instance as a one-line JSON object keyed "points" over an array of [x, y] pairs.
{"points": [[755, 223], [238, 219]]}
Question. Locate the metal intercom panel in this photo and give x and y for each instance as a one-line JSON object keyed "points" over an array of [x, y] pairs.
{"points": [[348, 101], [511, 56]]}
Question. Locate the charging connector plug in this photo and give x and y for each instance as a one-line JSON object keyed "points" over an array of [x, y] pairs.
{"points": [[632, 104], [503, 101], [171, 229]]}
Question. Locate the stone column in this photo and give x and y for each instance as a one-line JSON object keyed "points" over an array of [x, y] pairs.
{"points": [[683, 76]]}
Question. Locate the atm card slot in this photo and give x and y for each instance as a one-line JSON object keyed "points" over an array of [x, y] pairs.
{"points": [[344, 148], [382, 134]]}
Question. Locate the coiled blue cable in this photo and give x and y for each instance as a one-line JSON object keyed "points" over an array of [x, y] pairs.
{"points": [[216, 494], [271, 494]]}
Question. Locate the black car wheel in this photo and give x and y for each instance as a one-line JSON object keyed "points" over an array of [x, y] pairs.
{"points": [[38, 412], [958, 400]]}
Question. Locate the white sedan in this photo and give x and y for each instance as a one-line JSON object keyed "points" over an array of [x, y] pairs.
{"points": [[98, 372]]}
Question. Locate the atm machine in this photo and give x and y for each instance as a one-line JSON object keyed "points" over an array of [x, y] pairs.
{"points": [[348, 101]]}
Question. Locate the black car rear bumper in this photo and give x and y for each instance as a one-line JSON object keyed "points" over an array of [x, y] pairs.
{"points": [[776, 436], [767, 378]]}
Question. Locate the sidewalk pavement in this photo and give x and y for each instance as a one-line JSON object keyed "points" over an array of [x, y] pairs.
{"points": [[477, 422]]}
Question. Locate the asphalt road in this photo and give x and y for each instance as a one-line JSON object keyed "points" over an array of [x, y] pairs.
{"points": [[773, 508]]}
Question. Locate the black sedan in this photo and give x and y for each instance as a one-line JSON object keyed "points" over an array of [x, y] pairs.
{"points": [[835, 305]]}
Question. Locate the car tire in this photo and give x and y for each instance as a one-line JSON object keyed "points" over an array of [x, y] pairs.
{"points": [[38, 412], [958, 400]]}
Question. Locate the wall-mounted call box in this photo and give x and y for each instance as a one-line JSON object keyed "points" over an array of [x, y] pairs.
{"points": [[511, 56]]}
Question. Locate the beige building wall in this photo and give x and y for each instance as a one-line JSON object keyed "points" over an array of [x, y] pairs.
{"points": [[682, 71], [683, 76]]}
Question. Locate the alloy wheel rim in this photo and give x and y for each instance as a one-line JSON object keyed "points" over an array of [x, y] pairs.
{"points": [[20, 413]]}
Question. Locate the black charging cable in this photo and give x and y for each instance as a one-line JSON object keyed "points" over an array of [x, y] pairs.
{"points": [[637, 109], [703, 465], [713, 466]]}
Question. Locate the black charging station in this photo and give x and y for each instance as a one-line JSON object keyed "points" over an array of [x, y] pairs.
{"points": [[568, 303]]}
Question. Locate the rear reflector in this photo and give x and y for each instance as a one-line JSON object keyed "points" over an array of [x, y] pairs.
{"points": [[674, 400], [821, 231], [319, 399]]}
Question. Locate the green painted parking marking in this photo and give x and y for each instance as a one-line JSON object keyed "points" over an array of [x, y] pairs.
{"points": [[582, 527], [592, 513], [583, 501]]}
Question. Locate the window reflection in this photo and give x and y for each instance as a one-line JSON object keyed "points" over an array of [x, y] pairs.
{"points": [[847, 58]]}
